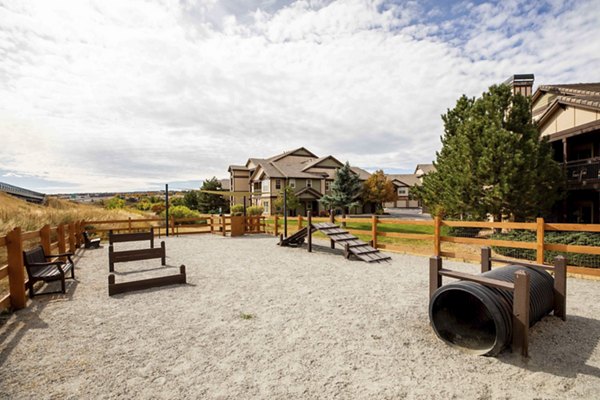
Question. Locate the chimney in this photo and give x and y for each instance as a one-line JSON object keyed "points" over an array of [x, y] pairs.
{"points": [[521, 83]]}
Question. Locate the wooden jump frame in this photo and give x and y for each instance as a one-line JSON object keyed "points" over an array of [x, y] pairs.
{"points": [[134, 255], [117, 288], [131, 237], [520, 287]]}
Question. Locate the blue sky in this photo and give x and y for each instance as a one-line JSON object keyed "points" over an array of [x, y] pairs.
{"points": [[112, 95]]}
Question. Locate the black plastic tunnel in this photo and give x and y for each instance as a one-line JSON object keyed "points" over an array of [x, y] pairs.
{"points": [[478, 318]]}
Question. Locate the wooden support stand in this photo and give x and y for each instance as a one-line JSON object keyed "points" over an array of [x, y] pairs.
{"points": [[131, 237], [135, 255], [116, 288], [521, 289]]}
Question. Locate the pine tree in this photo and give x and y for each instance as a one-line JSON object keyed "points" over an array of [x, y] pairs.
{"points": [[492, 162], [292, 200], [345, 189], [379, 189], [212, 203]]}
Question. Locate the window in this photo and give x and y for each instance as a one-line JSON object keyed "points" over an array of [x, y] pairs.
{"points": [[327, 186], [309, 183], [277, 183], [293, 183], [403, 191], [266, 206], [266, 186]]}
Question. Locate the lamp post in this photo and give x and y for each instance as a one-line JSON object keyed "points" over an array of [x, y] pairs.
{"points": [[167, 208]]}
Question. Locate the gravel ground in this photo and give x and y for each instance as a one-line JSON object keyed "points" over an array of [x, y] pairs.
{"points": [[259, 321]]}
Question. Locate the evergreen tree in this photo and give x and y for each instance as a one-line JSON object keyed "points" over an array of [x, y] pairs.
{"points": [[345, 189], [379, 189], [492, 161], [292, 200], [212, 203], [190, 199]]}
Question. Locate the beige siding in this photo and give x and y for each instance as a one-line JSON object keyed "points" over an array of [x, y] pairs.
{"points": [[567, 118], [585, 116]]}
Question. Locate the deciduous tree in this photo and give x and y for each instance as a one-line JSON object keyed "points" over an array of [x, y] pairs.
{"points": [[379, 189]]}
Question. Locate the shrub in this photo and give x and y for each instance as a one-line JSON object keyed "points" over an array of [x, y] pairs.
{"points": [[181, 212], [237, 209], [463, 232], [157, 208], [573, 238], [255, 210], [114, 203], [143, 205]]}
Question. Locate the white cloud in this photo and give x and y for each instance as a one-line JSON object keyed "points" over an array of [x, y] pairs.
{"points": [[113, 95]]}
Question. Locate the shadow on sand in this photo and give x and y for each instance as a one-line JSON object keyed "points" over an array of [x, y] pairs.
{"points": [[560, 348]]}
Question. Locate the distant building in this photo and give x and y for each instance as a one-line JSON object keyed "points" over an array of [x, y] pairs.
{"points": [[403, 184], [22, 193], [309, 175]]}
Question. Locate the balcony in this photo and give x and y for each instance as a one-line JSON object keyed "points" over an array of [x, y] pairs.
{"points": [[583, 173]]}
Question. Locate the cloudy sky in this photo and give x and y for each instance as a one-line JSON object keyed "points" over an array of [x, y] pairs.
{"points": [[126, 95]]}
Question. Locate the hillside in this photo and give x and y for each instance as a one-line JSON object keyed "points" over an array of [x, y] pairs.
{"points": [[16, 212]]}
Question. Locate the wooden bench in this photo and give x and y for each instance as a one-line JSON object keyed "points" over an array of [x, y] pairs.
{"points": [[90, 243], [135, 255], [40, 269]]}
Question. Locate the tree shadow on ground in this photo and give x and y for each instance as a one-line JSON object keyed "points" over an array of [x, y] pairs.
{"points": [[561, 348], [21, 321]]}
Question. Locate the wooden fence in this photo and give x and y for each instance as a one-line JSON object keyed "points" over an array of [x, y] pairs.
{"points": [[67, 237], [437, 239], [59, 239]]}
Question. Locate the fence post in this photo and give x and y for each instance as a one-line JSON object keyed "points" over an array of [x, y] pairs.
{"points": [[129, 225], [16, 270], [276, 227], [62, 247], [71, 237], [172, 225], [437, 224], [223, 226], [332, 220], [540, 241], [45, 238], [374, 230], [299, 222], [78, 236], [212, 229]]}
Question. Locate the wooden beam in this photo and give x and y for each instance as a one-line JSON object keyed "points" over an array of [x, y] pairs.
{"points": [[521, 300], [435, 279], [560, 287], [539, 248], [117, 288], [486, 262], [478, 279]]}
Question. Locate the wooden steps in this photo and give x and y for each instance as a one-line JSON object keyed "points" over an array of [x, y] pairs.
{"points": [[351, 244]]}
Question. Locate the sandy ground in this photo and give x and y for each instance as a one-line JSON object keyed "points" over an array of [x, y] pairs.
{"points": [[317, 327]]}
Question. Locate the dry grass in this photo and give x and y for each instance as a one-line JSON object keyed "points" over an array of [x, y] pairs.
{"points": [[30, 217], [15, 212]]}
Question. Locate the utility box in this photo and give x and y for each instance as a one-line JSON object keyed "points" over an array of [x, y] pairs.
{"points": [[237, 225]]}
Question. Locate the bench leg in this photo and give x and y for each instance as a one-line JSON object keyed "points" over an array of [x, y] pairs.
{"points": [[31, 292], [62, 285]]}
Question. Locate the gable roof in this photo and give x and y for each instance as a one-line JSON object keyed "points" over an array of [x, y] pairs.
{"points": [[426, 168], [407, 179], [582, 95], [295, 152], [316, 162]]}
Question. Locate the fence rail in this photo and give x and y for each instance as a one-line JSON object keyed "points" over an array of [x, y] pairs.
{"points": [[428, 237], [435, 238]]}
